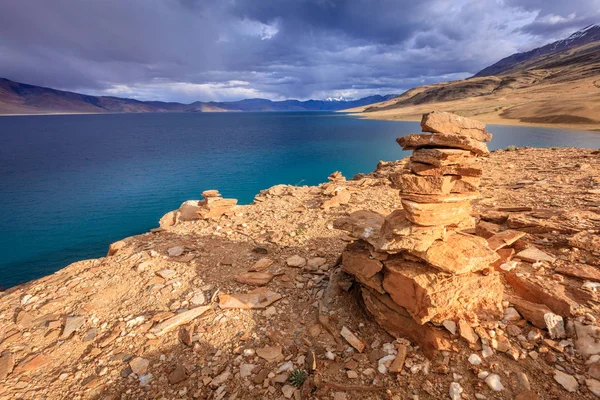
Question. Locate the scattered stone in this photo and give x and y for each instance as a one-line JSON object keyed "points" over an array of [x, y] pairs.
{"points": [[246, 370], [566, 381], [288, 391], [166, 274], [254, 278], [455, 391], [179, 374], [493, 381], [352, 339], [296, 261], [261, 265], [594, 386], [555, 325], [466, 332], [72, 324], [175, 251], [179, 319], [139, 365], [474, 359], [533, 254], [450, 326], [220, 379], [352, 374], [255, 299], [7, 363], [270, 353], [398, 363]]}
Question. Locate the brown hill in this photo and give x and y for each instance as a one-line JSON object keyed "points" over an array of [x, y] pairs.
{"points": [[560, 89]]}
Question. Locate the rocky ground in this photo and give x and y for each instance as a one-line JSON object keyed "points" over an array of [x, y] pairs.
{"points": [[172, 313]]}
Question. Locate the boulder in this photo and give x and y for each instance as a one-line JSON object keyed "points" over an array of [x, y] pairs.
{"points": [[169, 219], [443, 157], [459, 253], [399, 323], [429, 295], [436, 213], [445, 122], [419, 141], [188, 211]]}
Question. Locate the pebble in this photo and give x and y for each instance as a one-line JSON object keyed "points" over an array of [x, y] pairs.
{"points": [[139, 365], [246, 370], [455, 391], [296, 261], [474, 359], [511, 314], [450, 326], [175, 251], [594, 386], [352, 374], [493, 381], [288, 391], [145, 379]]}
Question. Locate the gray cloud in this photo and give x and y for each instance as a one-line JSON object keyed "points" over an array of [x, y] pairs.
{"points": [[189, 50]]}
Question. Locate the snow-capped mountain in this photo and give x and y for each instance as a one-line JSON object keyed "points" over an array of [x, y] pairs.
{"points": [[518, 61], [340, 98]]}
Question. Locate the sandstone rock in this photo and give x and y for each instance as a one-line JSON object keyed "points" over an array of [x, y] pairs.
{"points": [[357, 262], [175, 251], [593, 371], [533, 254], [432, 170], [505, 254], [24, 320], [270, 353], [466, 332], [466, 184], [585, 240], [72, 323], [398, 363], [580, 271], [441, 198], [445, 122], [261, 265], [399, 323], [211, 193], [32, 363], [561, 300], [168, 220], [493, 381], [255, 299], [436, 213], [352, 339], [459, 253], [179, 319], [419, 141], [399, 234], [220, 379], [504, 238], [114, 247], [566, 381], [296, 261], [288, 391], [532, 312], [528, 395], [166, 274], [339, 199], [442, 157], [336, 177], [7, 363], [429, 295], [316, 262], [179, 374], [188, 210], [361, 224], [487, 229], [254, 278], [594, 386], [139, 365], [410, 183], [450, 326]]}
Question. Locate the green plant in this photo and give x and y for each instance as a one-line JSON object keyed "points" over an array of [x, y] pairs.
{"points": [[299, 232], [512, 147], [554, 148], [297, 377]]}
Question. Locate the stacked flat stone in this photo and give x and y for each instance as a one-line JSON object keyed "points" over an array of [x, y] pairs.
{"points": [[416, 266], [214, 205]]}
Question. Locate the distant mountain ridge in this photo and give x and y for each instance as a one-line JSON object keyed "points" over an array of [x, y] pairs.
{"points": [[528, 59], [557, 84], [22, 98]]}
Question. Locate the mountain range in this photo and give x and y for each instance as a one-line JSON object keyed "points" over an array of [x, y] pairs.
{"points": [[555, 85], [21, 98]]}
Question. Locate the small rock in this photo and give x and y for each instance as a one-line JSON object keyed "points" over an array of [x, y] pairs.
{"points": [[594, 386], [179, 374], [145, 379], [450, 326], [296, 261], [352, 339], [493, 381], [166, 274], [288, 391], [139, 365], [511, 314], [198, 299], [555, 325], [71, 325], [175, 251], [455, 391], [219, 379], [270, 353], [566, 381], [352, 374], [316, 262], [7, 363], [474, 359], [246, 370]]}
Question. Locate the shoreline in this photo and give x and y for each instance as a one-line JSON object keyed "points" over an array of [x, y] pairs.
{"points": [[489, 121]]}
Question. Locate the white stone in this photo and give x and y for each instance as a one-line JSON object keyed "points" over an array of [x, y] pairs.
{"points": [[450, 326], [330, 356], [145, 379], [565, 380], [474, 359], [384, 363], [555, 325], [198, 299], [493, 381], [483, 374], [455, 391], [246, 370], [286, 366], [175, 251], [511, 314], [486, 351], [352, 374]]}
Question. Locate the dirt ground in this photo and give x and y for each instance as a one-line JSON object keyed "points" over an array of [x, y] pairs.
{"points": [[90, 330]]}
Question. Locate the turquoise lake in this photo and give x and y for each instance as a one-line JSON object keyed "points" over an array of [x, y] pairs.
{"points": [[70, 185]]}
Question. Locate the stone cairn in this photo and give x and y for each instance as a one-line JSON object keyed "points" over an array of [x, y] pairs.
{"points": [[417, 268]]}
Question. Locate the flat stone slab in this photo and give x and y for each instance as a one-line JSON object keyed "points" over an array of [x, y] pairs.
{"points": [[260, 298], [179, 319], [430, 214], [419, 141], [533, 254], [431, 170], [445, 122], [504, 238], [443, 157]]}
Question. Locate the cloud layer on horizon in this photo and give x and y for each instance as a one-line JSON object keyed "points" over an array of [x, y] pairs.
{"points": [[187, 50]]}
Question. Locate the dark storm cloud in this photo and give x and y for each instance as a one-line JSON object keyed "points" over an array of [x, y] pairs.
{"points": [[188, 50]]}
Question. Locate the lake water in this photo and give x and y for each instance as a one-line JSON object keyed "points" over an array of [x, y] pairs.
{"points": [[71, 185]]}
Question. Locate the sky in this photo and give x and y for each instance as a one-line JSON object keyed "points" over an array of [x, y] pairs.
{"points": [[224, 50]]}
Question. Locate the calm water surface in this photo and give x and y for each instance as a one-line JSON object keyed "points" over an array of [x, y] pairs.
{"points": [[70, 185]]}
